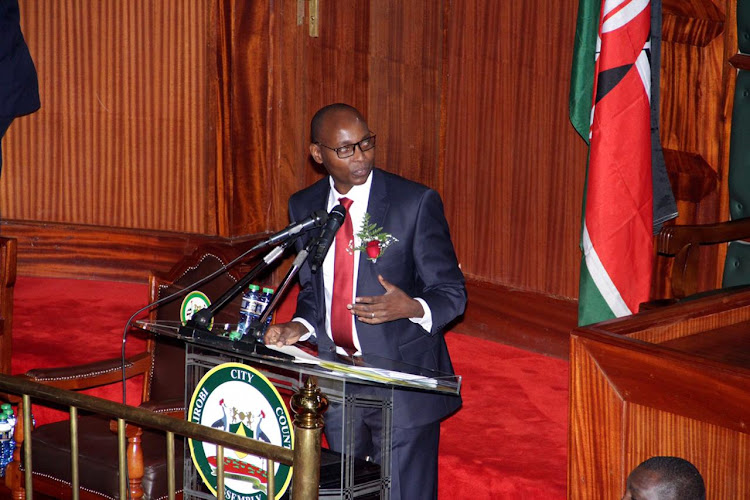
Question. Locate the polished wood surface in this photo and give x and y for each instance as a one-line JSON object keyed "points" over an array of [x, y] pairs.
{"points": [[664, 382], [524, 319], [124, 136], [514, 167], [699, 37], [729, 344], [244, 54], [405, 71], [696, 94], [99, 252], [8, 256]]}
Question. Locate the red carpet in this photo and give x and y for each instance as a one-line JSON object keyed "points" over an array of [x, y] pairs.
{"points": [[508, 440]]}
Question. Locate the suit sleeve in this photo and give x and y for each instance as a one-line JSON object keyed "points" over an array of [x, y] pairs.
{"points": [[441, 282]]}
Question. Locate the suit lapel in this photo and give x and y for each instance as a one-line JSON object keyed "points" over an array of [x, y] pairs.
{"points": [[319, 200], [377, 207]]}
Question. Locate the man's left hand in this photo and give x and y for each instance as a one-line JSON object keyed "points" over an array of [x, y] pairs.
{"points": [[392, 305]]}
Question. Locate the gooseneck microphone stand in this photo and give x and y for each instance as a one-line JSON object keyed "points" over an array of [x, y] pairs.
{"points": [[198, 326]]}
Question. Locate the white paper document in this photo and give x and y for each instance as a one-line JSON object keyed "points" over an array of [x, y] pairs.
{"points": [[362, 372]]}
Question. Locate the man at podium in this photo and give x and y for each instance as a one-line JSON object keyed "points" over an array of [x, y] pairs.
{"points": [[388, 286]]}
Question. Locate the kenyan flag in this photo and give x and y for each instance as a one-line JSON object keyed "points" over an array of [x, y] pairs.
{"points": [[612, 70]]}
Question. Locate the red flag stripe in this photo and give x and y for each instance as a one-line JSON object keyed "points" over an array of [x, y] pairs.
{"points": [[619, 197]]}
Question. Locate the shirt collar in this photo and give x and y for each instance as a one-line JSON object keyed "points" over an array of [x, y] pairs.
{"points": [[358, 194]]}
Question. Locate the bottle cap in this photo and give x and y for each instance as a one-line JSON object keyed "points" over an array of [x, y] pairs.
{"points": [[254, 288], [267, 290]]}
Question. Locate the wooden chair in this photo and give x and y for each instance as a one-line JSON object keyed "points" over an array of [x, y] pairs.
{"points": [[681, 244], [162, 366], [7, 282]]}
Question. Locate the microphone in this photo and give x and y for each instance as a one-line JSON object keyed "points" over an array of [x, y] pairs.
{"points": [[335, 219], [316, 219]]}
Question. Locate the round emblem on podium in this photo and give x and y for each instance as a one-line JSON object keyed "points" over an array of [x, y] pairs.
{"points": [[192, 303], [237, 398]]}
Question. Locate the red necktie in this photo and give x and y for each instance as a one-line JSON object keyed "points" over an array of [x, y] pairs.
{"points": [[343, 283]]}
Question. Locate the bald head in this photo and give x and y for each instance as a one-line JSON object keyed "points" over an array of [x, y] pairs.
{"points": [[326, 112], [665, 478]]}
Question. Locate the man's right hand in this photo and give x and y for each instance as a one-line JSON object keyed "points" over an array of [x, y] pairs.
{"points": [[282, 334]]}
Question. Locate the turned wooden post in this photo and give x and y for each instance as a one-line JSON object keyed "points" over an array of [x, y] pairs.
{"points": [[134, 458], [308, 405]]}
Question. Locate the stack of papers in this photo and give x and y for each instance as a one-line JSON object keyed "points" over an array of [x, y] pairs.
{"points": [[361, 372]]}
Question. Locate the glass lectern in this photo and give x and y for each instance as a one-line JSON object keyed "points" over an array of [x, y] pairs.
{"points": [[343, 475]]}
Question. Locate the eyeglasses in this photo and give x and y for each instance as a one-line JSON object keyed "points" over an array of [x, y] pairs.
{"points": [[365, 144]]}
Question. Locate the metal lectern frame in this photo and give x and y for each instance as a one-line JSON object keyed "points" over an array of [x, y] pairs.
{"points": [[335, 380]]}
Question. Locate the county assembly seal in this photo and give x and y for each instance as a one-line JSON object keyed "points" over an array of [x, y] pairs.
{"points": [[237, 398]]}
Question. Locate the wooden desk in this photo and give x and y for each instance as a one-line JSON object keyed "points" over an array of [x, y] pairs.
{"points": [[671, 381]]}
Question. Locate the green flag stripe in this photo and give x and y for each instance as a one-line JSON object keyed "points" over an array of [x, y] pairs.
{"points": [[582, 73], [592, 307]]}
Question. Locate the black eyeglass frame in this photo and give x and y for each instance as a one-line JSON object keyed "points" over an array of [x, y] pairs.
{"points": [[353, 146]]}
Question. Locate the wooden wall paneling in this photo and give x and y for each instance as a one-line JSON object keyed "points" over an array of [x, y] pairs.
{"points": [[692, 22], [220, 101], [405, 87], [514, 166], [692, 119], [338, 65], [512, 316], [251, 133], [122, 137], [697, 85], [310, 72], [290, 124], [338, 69]]}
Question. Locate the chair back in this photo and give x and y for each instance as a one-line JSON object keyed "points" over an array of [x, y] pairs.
{"points": [[683, 243], [736, 268], [7, 282], [167, 379]]}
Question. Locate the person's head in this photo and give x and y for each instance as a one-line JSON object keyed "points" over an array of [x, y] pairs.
{"points": [[341, 141], [665, 478]]}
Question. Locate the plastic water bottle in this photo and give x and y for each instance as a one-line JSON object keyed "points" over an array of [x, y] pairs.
{"points": [[7, 409], [265, 300], [248, 311], [10, 416], [6, 444]]}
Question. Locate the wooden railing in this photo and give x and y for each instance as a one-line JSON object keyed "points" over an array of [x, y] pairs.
{"points": [[308, 405]]}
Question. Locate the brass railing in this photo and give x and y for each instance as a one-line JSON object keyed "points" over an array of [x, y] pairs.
{"points": [[308, 405]]}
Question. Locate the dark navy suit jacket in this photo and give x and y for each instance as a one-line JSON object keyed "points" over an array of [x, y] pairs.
{"points": [[422, 263], [19, 88]]}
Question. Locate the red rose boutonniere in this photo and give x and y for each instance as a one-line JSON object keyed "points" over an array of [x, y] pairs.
{"points": [[374, 241]]}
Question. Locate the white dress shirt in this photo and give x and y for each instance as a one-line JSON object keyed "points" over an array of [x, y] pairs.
{"points": [[359, 195]]}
